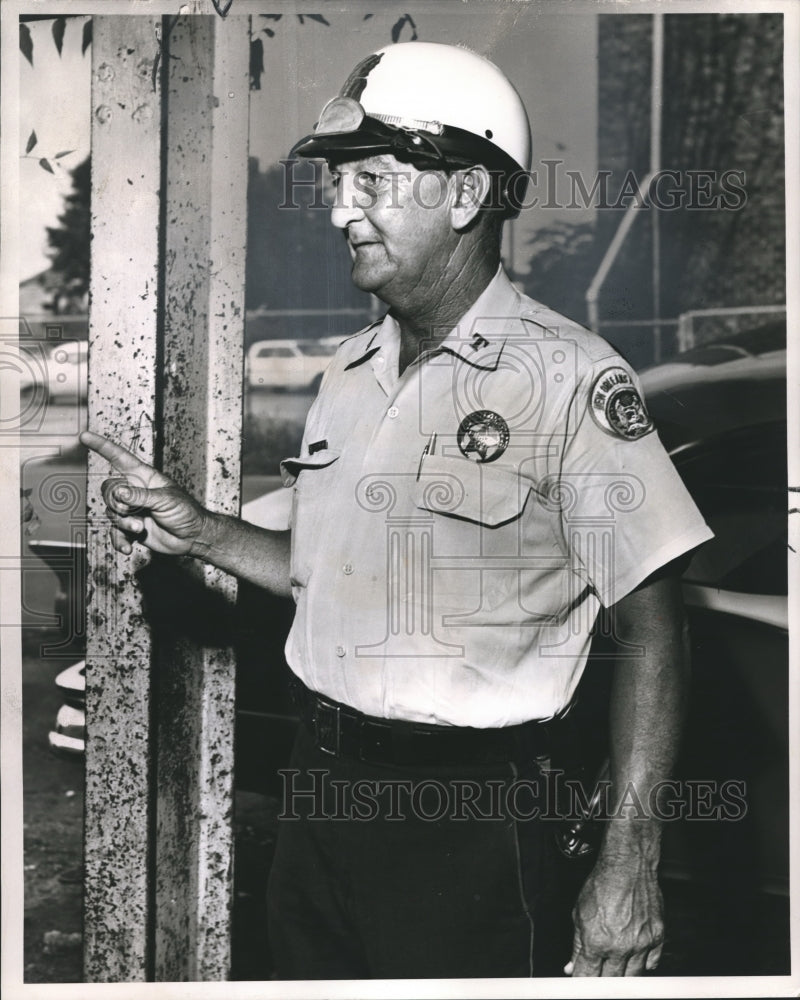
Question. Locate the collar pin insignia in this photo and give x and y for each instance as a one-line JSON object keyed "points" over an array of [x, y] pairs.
{"points": [[478, 341]]}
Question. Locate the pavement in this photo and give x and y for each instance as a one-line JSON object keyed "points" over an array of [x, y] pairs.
{"points": [[53, 836]]}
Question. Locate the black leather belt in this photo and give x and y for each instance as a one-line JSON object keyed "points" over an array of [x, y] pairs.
{"points": [[342, 731]]}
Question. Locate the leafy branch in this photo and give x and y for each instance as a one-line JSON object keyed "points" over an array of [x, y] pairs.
{"points": [[397, 28], [58, 29], [44, 161], [257, 46]]}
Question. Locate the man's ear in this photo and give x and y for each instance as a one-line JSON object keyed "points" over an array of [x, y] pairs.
{"points": [[472, 186]]}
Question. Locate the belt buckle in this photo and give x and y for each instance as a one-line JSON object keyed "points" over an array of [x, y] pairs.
{"points": [[327, 725]]}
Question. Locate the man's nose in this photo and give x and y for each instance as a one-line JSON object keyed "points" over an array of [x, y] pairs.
{"points": [[347, 205]]}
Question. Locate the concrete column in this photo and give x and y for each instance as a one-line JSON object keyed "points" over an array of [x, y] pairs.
{"points": [[126, 142], [166, 347], [205, 240]]}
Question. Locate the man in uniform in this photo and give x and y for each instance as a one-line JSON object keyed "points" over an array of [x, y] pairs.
{"points": [[478, 479]]}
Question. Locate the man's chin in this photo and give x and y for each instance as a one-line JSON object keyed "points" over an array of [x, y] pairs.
{"points": [[367, 279]]}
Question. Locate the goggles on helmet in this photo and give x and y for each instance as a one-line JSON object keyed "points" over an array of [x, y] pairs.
{"points": [[345, 129]]}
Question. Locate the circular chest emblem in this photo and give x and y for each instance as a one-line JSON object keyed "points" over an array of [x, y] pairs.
{"points": [[617, 406], [482, 436]]}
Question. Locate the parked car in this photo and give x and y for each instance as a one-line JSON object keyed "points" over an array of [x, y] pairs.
{"points": [[721, 412], [289, 364], [69, 734], [60, 370], [269, 726]]}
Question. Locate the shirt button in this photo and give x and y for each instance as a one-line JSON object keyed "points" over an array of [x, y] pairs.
{"points": [[393, 411], [347, 568], [340, 650], [380, 361]]}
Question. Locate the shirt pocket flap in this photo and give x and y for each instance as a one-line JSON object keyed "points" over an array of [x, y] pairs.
{"points": [[292, 467], [473, 491]]}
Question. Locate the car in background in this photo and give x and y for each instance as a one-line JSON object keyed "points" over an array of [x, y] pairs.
{"points": [[289, 364], [68, 736], [269, 724], [720, 411], [59, 371]]}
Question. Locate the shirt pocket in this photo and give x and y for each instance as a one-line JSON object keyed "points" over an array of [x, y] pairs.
{"points": [[312, 478], [472, 491]]}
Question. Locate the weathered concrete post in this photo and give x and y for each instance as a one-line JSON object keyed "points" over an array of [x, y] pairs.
{"points": [[169, 178], [126, 142], [206, 208]]}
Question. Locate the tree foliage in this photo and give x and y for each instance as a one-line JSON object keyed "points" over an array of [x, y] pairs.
{"points": [[564, 258], [257, 46], [69, 246], [295, 258], [722, 112]]}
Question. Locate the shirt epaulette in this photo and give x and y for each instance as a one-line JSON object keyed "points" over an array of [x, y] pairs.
{"points": [[592, 345]]}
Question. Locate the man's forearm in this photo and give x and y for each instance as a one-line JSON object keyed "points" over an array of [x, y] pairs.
{"points": [[648, 701], [619, 928], [254, 554]]}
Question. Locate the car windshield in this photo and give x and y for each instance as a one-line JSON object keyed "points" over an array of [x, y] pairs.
{"points": [[315, 349], [275, 352]]}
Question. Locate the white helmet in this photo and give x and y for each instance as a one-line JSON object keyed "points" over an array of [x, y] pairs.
{"points": [[429, 102]]}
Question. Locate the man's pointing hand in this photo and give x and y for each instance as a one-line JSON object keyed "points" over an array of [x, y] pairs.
{"points": [[146, 506]]}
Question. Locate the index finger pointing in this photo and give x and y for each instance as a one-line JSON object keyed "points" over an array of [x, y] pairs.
{"points": [[113, 453]]}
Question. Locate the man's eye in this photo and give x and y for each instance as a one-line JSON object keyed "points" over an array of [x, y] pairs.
{"points": [[336, 180], [370, 178]]}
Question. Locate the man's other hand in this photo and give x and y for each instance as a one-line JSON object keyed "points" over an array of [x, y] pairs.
{"points": [[619, 927], [146, 506]]}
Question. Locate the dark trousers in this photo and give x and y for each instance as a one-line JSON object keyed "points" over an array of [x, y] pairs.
{"points": [[391, 872]]}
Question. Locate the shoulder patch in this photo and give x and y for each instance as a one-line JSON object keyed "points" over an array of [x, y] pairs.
{"points": [[617, 407]]}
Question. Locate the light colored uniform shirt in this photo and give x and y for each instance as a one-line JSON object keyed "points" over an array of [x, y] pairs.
{"points": [[456, 529]]}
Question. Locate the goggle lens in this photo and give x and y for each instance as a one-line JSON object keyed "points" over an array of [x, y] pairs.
{"points": [[341, 114]]}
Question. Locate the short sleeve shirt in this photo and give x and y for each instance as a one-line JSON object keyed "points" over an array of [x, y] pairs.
{"points": [[456, 529]]}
